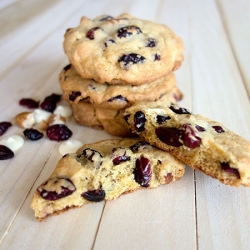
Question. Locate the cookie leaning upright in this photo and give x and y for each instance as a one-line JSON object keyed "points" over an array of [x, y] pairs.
{"points": [[123, 50], [202, 143]]}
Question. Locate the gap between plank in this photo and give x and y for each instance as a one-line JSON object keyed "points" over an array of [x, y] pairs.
{"points": [[196, 213], [97, 230]]}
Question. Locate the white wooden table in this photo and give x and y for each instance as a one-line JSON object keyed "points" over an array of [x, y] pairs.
{"points": [[196, 212]]}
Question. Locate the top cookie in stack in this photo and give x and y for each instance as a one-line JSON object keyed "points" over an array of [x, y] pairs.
{"points": [[120, 51]]}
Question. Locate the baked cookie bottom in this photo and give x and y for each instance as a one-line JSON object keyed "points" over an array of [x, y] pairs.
{"points": [[198, 141], [104, 171]]}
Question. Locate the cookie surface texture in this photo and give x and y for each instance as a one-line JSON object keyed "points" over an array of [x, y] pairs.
{"points": [[104, 171], [123, 50], [198, 141], [75, 88]]}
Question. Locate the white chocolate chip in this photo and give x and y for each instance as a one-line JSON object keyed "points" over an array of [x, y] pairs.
{"points": [[69, 146], [25, 119], [41, 115], [56, 119], [63, 110], [14, 142]]}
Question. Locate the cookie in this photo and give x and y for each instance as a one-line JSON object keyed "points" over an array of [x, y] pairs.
{"points": [[123, 50], [198, 141], [112, 121], [103, 171], [75, 88]]}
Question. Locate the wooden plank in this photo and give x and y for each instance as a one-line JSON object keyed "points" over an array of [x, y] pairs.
{"points": [[236, 19], [30, 30], [219, 93]]}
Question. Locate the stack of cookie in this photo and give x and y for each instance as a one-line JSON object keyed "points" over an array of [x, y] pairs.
{"points": [[116, 62]]}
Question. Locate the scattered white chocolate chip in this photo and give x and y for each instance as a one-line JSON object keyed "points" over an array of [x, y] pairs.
{"points": [[69, 146], [13, 142], [56, 119], [63, 110], [25, 119], [41, 115]]}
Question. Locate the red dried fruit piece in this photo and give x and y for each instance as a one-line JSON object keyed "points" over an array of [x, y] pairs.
{"points": [[74, 95], [4, 126], [91, 33], [189, 137], [134, 148], [157, 57], [199, 128], [179, 110], [5, 153], [170, 136], [94, 195], [151, 43], [30, 103], [161, 119], [49, 103], [226, 167], [127, 59], [128, 31], [139, 121], [168, 178], [32, 134], [58, 132], [142, 171], [66, 186], [91, 154], [119, 158], [118, 98], [218, 129]]}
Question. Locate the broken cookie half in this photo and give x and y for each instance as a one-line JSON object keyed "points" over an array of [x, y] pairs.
{"points": [[103, 171]]}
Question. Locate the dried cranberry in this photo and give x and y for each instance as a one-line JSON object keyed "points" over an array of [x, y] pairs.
{"points": [[143, 171], [58, 132], [111, 40], [161, 119], [133, 58], [67, 67], [199, 128], [32, 134], [64, 185], [139, 120], [91, 154], [5, 153], [157, 57], [128, 31], [105, 18], [151, 42], [137, 145], [226, 167], [179, 110], [91, 33], [168, 178], [189, 137], [120, 156], [30, 103], [74, 95], [218, 129], [4, 126], [94, 195], [118, 98], [170, 136], [49, 103]]}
